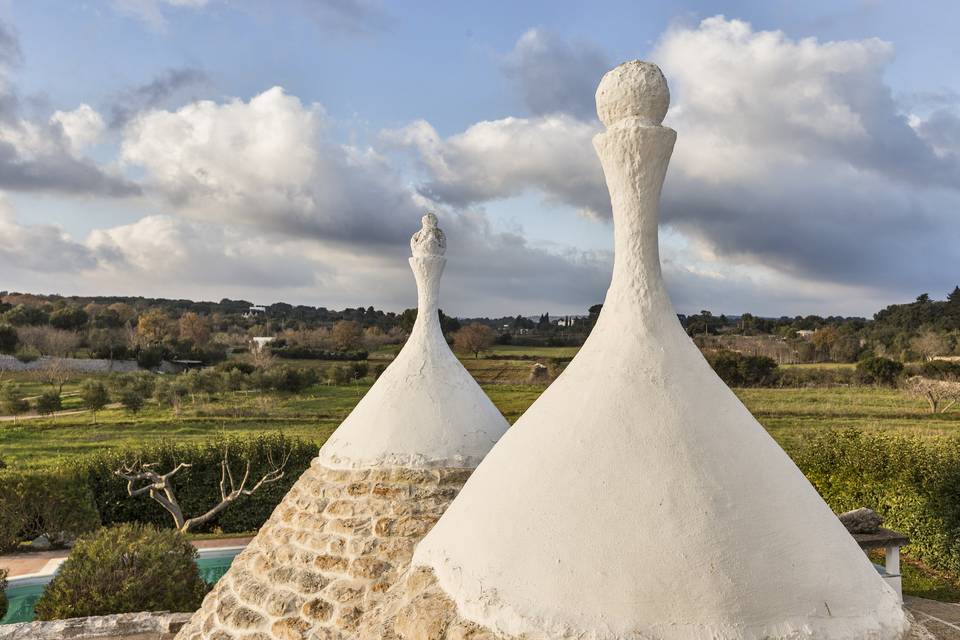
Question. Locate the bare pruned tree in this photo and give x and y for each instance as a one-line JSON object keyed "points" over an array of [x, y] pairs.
{"points": [[142, 479], [939, 394]]}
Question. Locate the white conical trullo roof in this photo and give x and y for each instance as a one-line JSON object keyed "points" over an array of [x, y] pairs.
{"points": [[425, 410], [637, 497]]}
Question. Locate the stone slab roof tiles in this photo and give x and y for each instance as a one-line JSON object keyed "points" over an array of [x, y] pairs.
{"points": [[637, 497]]}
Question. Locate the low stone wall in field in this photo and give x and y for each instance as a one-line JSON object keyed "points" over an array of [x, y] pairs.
{"points": [[145, 625], [80, 365]]}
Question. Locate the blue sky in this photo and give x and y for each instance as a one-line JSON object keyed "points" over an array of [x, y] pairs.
{"points": [[810, 175]]}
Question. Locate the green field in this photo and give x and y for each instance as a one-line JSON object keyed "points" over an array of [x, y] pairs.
{"points": [[787, 414]]}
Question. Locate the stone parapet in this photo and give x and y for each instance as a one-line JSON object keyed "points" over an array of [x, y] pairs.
{"points": [[146, 625]]}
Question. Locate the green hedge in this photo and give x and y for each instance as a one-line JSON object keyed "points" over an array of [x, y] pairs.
{"points": [[72, 498], [198, 488], [55, 503], [912, 481]]}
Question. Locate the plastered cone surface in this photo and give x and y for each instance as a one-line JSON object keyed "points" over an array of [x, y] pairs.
{"points": [[637, 497]]}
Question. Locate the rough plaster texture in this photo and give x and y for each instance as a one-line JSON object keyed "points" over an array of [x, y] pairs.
{"points": [[329, 551], [425, 410], [637, 497], [348, 527]]}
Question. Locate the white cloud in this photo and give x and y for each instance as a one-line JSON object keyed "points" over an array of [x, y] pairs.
{"points": [[502, 158], [82, 127], [40, 248]]}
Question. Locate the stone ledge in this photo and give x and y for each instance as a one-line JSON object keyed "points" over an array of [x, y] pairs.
{"points": [[144, 625]]}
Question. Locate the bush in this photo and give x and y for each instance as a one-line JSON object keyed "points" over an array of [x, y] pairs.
{"points": [[8, 338], [151, 357], [284, 378], [799, 377], [311, 353], [127, 568], [879, 371], [94, 396], [738, 370], [912, 481], [49, 402], [338, 374], [26, 355], [236, 365], [3, 595], [197, 488], [940, 370], [378, 370], [55, 503]]}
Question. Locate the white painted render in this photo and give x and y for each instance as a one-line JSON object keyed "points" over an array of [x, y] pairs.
{"points": [[425, 410], [638, 498]]}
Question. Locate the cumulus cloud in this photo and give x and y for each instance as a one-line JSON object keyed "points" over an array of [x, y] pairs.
{"points": [[554, 75], [502, 158], [792, 158], [266, 162], [82, 127], [42, 248], [45, 156]]}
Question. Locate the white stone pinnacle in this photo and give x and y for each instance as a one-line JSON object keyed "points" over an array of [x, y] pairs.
{"points": [[425, 410], [637, 497]]}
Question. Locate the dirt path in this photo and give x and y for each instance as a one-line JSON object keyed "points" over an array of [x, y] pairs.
{"points": [[70, 412]]}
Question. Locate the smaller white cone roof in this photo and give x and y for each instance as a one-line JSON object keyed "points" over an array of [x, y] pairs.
{"points": [[637, 497], [425, 410]]}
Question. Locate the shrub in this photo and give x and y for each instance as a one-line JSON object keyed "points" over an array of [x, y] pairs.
{"points": [[26, 355], [284, 378], [197, 488], [49, 402], [738, 370], [3, 595], [236, 365], [8, 338], [169, 393], [879, 371], [151, 357], [121, 569], [378, 370], [338, 374], [55, 503], [940, 370], [912, 481], [312, 353]]}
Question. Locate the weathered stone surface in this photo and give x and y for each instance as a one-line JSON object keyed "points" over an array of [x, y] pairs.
{"points": [[329, 552], [125, 626], [861, 520]]}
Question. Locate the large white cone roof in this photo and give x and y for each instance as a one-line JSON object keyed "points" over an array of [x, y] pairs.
{"points": [[425, 410], [637, 497]]}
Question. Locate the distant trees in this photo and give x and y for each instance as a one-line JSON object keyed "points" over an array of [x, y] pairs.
{"points": [[94, 396], [347, 335], [69, 318], [194, 328], [49, 402], [929, 344], [473, 338], [152, 327], [12, 401]]}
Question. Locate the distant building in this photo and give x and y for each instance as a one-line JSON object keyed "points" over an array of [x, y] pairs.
{"points": [[261, 341], [255, 311], [805, 333]]}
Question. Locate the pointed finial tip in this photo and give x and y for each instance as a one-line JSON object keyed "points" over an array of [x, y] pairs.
{"points": [[430, 239], [635, 89]]}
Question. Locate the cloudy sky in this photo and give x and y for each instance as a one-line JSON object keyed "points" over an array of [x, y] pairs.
{"points": [[286, 150]]}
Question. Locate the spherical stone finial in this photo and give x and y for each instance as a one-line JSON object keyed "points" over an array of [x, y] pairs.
{"points": [[430, 239], [635, 89]]}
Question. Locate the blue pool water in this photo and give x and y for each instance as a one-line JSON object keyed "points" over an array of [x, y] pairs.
{"points": [[213, 563]]}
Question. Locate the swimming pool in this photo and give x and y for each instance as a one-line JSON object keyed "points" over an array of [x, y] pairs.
{"points": [[24, 591]]}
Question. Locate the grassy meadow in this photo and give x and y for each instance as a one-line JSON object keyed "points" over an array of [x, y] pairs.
{"points": [[788, 414]]}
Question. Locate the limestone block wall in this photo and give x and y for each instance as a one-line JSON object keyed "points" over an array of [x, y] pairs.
{"points": [[328, 553]]}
